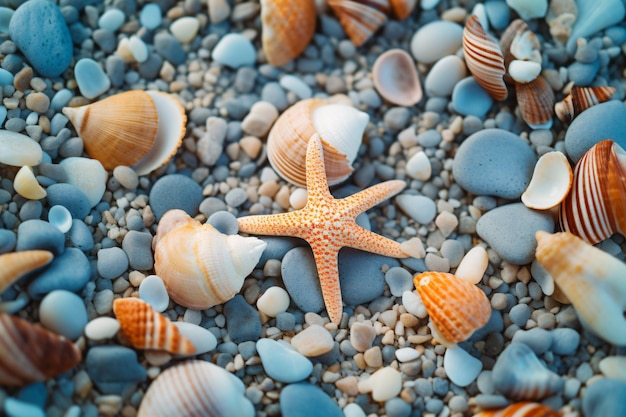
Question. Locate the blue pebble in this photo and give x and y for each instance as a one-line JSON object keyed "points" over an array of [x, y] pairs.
{"points": [[583, 74], [306, 400], [112, 19], [138, 248], [565, 341], [30, 210], [282, 363], [39, 234], [114, 369], [285, 321], [175, 191], [469, 98], [91, 79], [112, 262], [538, 339], [70, 197], [7, 240], [498, 13], [5, 18], [36, 394], [169, 48], [605, 397], [243, 322], [429, 139], [150, 16], [354, 265], [225, 222], [61, 98], [69, 271], [80, 236], [6, 78], [519, 314], [301, 280], [39, 30], [17, 408]]}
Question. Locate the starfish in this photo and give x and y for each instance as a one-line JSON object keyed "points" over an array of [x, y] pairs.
{"points": [[328, 224]]}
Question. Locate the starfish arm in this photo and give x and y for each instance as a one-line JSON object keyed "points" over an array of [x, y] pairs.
{"points": [[328, 270], [368, 198], [362, 239], [316, 183], [282, 224]]}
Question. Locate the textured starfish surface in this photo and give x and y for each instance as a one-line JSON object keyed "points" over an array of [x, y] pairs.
{"points": [[328, 224]]}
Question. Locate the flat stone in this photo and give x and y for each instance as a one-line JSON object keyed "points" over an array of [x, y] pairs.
{"points": [[306, 400], [68, 271], [114, 369]]}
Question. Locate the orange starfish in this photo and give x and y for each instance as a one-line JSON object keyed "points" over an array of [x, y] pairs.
{"points": [[328, 224]]}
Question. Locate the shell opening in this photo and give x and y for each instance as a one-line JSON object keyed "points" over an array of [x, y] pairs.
{"points": [[339, 126]]}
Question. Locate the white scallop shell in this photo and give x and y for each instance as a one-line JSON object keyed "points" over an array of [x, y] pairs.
{"points": [[550, 183], [396, 78]]}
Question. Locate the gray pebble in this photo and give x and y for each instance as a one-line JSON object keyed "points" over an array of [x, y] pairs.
{"points": [[539, 340], [224, 221], [103, 300], [135, 223], [70, 197], [273, 93], [584, 372], [565, 341], [429, 139], [242, 320], [68, 271], [112, 262], [39, 234], [519, 314], [80, 236], [175, 191], [397, 407], [583, 74], [30, 210], [105, 39], [286, 321], [423, 387], [453, 251], [138, 248], [212, 205], [169, 48], [8, 240], [236, 197], [441, 386], [115, 70], [458, 403], [114, 369], [399, 280], [396, 118]]}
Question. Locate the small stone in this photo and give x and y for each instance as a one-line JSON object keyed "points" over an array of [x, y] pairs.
{"points": [[202, 339], [68, 271], [242, 320], [565, 341], [313, 341], [175, 191], [114, 369], [399, 281], [461, 367], [384, 384], [234, 50], [185, 28], [436, 40], [420, 208], [281, 362], [70, 197], [102, 328], [274, 301], [112, 262], [407, 354], [537, 339], [64, 313], [307, 400], [91, 78], [470, 99], [138, 249], [152, 290]]}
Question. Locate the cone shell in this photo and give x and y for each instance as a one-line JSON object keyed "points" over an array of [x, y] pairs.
{"points": [[456, 307], [523, 409], [396, 78], [484, 59], [536, 102], [288, 26], [200, 266], [359, 20], [30, 353], [146, 328], [15, 265], [402, 8], [580, 99], [340, 126], [550, 183], [595, 208]]}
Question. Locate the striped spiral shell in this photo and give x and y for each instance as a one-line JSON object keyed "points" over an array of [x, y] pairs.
{"points": [[359, 19], [522, 409], [580, 99]]}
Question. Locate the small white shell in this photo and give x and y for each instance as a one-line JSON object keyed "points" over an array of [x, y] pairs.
{"points": [[60, 217], [526, 46], [473, 265], [550, 183], [396, 78], [26, 184], [524, 71]]}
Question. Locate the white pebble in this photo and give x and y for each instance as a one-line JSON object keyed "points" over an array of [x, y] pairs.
{"points": [[274, 301], [436, 40], [26, 184], [296, 86], [353, 410], [413, 304], [234, 50], [614, 367], [203, 340], [418, 166], [64, 313], [102, 328], [529, 9], [419, 207], [384, 384], [150, 16], [542, 277], [60, 217], [152, 290], [298, 198], [18, 149], [112, 19], [414, 247], [88, 175], [461, 367], [407, 354], [138, 48], [473, 265], [193, 316], [185, 28]]}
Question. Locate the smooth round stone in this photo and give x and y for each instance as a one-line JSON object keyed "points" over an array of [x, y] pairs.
{"points": [[461, 367], [397, 407], [236, 197], [494, 162], [602, 121], [19, 150], [274, 301], [114, 369], [362, 336], [175, 191], [126, 176], [399, 281], [16, 408], [243, 322], [418, 166], [519, 314], [102, 328], [444, 75], [91, 79], [64, 313], [39, 30], [470, 99], [38, 234], [61, 98], [354, 410], [70, 197], [152, 290], [185, 28], [583, 74], [296, 86], [537, 339], [61, 218], [498, 13], [529, 9], [81, 236], [6, 78], [224, 221], [313, 341], [68, 271], [112, 262], [283, 363], [150, 16], [112, 19], [234, 50], [429, 139], [605, 397], [169, 48], [8, 240], [301, 280], [565, 341], [5, 18], [420, 208], [138, 248], [436, 40], [453, 251], [384, 384], [307, 400], [203, 340], [407, 354]]}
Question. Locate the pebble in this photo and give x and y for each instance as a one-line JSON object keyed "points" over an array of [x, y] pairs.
{"points": [[68, 271], [169, 48], [112, 262], [260, 118], [604, 398], [592, 18], [175, 191], [273, 301], [313, 341], [418, 166], [529, 9], [70, 197], [102, 328], [38, 234], [301, 280], [203, 340], [435, 40], [307, 400], [234, 50], [444, 75], [354, 410], [565, 341], [242, 320], [8, 240], [19, 150], [150, 16], [296, 86], [114, 369], [88, 175], [152, 290], [453, 251], [362, 336], [419, 207], [399, 281], [519, 314], [397, 407], [384, 384], [91, 79], [103, 301], [126, 176], [16, 408], [498, 13], [224, 221], [429, 139], [281, 362], [470, 99], [539, 340], [112, 19], [64, 313], [138, 248], [461, 367], [185, 28], [81, 236], [407, 354]]}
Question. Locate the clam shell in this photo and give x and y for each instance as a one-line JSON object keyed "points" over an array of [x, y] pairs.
{"points": [[402, 8], [359, 20], [580, 99], [522, 409], [593, 280], [26, 184], [456, 307], [288, 26], [200, 266], [30, 353], [518, 374], [15, 265], [484, 59], [196, 388], [396, 78], [145, 328], [536, 102], [340, 126], [550, 183], [595, 208]]}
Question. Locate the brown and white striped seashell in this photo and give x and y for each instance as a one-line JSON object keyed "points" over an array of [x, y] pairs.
{"points": [[200, 266], [456, 307], [142, 129], [402, 8], [29, 353], [15, 265], [550, 183], [396, 78], [196, 388], [484, 59], [580, 99], [595, 208], [341, 129], [359, 20], [288, 26], [536, 102], [593, 280], [145, 328], [522, 409]]}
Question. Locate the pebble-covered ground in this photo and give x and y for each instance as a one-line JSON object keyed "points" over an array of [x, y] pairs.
{"points": [[287, 357]]}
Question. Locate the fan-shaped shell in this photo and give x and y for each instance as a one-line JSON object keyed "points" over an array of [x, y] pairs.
{"points": [[550, 183], [340, 126], [580, 99], [146, 328], [200, 266], [288, 26], [359, 20], [595, 208], [456, 307], [30, 353], [536, 102], [396, 78], [402, 8], [484, 59], [522, 409], [15, 265]]}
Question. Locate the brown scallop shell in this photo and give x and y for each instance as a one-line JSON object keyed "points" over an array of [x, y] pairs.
{"points": [[359, 20], [522, 409], [580, 99], [536, 102], [402, 8], [15, 265]]}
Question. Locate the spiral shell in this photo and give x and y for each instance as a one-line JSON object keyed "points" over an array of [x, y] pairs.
{"points": [[359, 20], [536, 102], [200, 266], [522, 409], [15, 265], [550, 183], [30, 353], [396, 78], [596, 205], [580, 99], [456, 307]]}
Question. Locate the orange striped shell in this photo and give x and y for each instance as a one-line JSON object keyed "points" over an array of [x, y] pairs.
{"points": [[15, 265], [580, 99], [456, 307], [359, 20], [523, 409]]}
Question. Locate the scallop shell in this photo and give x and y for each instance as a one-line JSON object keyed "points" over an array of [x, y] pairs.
{"points": [[522, 409], [30, 353], [456, 307], [580, 99], [359, 20], [484, 59], [196, 388], [593, 280], [288, 26], [146, 328], [396, 78], [200, 266], [519, 375], [15, 265], [402, 8], [340, 126], [550, 183], [131, 128], [595, 208], [536, 102]]}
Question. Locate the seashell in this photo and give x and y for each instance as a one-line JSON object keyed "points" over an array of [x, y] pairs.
{"points": [[15, 265], [340, 126], [595, 207], [456, 307], [519, 375], [522, 409], [506, 39], [145, 328], [200, 266], [580, 99], [402, 8], [525, 45], [288, 26], [550, 183], [137, 128], [30, 353], [26, 184], [536, 103], [359, 20], [593, 280], [196, 388], [484, 59], [396, 78], [524, 71]]}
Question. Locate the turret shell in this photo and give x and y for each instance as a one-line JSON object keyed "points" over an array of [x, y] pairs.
{"points": [[580, 99], [522, 409]]}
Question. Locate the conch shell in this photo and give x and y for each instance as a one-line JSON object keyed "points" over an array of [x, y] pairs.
{"points": [[580, 99], [359, 19], [15, 265], [200, 266]]}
